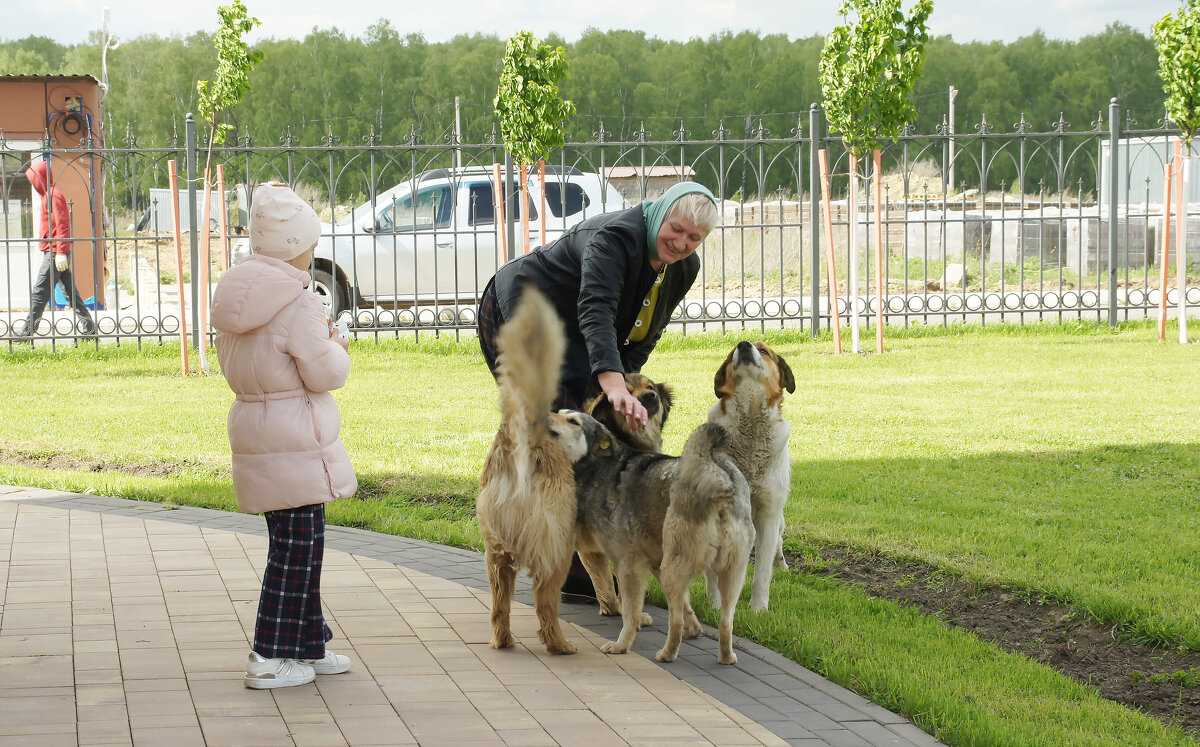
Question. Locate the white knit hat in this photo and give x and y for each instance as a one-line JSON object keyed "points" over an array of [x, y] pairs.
{"points": [[282, 225]]}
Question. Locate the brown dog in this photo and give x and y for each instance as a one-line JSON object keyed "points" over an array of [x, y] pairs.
{"points": [[655, 397], [526, 503]]}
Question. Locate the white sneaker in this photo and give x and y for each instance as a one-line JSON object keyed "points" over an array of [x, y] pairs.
{"points": [[331, 664], [263, 674]]}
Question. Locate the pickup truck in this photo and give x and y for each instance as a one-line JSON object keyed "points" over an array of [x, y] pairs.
{"points": [[434, 239]]}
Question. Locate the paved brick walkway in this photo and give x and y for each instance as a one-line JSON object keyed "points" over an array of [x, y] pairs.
{"points": [[123, 622]]}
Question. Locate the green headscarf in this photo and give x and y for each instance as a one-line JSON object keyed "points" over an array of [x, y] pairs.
{"points": [[655, 211]]}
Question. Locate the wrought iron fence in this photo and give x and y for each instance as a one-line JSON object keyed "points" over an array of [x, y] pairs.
{"points": [[982, 226]]}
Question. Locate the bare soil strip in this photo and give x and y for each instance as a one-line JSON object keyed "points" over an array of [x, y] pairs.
{"points": [[1158, 681]]}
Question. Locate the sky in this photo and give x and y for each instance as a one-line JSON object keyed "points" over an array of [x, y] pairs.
{"points": [[69, 21]]}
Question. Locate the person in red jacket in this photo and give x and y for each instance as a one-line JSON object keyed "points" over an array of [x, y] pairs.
{"points": [[55, 220]]}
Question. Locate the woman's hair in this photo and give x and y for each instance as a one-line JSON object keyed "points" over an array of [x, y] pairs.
{"points": [[696, 208]]}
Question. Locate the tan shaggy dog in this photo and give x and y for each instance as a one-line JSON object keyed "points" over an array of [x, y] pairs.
{"points": [[749, 388], [526, 503]]}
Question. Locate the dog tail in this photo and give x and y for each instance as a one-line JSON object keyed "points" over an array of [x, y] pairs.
{"points": [[700, 446], [705, 471], [530, 346]]}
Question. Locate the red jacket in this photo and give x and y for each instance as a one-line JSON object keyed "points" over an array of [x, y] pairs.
{"points": [[55, 209]]}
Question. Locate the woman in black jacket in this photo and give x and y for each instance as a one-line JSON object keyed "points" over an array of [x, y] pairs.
{"points": [[614, 279]]}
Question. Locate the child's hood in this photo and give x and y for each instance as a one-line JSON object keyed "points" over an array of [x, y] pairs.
{"points": [[38, 174], [252, 293]]}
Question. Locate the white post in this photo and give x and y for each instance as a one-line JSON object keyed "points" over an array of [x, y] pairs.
{"points": [[457, 135], [852, 222], [950, 132], [110, 41]]}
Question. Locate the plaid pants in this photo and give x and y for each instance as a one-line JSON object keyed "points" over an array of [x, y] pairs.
{"points": [[290, 624]]}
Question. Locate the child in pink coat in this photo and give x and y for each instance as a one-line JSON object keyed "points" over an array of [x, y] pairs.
{"points": [[281, 356]]}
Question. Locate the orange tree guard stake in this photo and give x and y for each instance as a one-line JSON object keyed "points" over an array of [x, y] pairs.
{"points": [[835, 315], [222, 219], [498, 213], [173, 179], [542, 184]]}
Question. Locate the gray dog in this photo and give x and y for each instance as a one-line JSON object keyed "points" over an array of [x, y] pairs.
{"points": [[674, 517]]}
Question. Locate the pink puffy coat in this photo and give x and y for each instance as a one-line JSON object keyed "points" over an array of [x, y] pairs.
{"points": [[274, 348]]}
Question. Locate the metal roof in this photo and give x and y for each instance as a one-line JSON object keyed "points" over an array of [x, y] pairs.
{"points": [[92, 78], [649, 172]]}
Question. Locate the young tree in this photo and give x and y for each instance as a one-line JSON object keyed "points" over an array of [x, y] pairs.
{"points": [[867, 73], [529, 108], [235, 60], [1177, 37]]}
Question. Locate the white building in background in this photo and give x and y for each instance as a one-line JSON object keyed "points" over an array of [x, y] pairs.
{"points": [[1140, 162]]}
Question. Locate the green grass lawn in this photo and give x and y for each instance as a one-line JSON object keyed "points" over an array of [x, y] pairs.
{"points": [[1061, 461]]}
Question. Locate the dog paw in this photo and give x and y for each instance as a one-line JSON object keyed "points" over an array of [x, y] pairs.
{"points": [[505, 641], [691, 629], [663, 655], [723, 659], [781, 562], [758, 605], [714, 601], [561, 648], [613, 647], [646, 620], [609, 611]]}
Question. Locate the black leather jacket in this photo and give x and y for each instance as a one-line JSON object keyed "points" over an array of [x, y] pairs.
{"points": [[596, 276]]}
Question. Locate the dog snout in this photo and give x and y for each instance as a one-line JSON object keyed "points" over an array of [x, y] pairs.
{"points": [[745, 352], [649, 401]]}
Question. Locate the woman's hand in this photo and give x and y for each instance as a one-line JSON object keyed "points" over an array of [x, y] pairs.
{"points": [[613, 384]]}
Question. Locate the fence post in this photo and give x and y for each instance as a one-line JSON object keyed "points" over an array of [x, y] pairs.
{"points": [[189, 129], [814, 212], [1114, 133]]}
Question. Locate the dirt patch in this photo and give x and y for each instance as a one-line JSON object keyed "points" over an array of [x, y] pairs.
{"points": [[72, 463], [151, 258], [1160, 681]]}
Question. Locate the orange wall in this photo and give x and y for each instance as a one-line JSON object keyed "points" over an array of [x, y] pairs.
{"points": [[30, 107]]}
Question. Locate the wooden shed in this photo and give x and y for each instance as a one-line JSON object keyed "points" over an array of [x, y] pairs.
{"points": [[58, 117]]}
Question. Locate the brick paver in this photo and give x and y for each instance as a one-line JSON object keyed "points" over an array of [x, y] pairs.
{"points": [[123, 622]]}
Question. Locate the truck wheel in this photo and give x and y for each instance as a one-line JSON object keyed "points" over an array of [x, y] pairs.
{"points": [[330, 291]]}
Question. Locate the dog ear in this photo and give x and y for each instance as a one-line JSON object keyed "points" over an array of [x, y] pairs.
{"points": [[602, 446], [719, 379], [789, 381], [596, 404], [665, 393]]}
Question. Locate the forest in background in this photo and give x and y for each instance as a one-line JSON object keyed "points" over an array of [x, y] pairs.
{"points": [[399, 84]]}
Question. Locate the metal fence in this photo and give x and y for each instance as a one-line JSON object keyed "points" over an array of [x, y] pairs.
{"points": [[1023, 225]]}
